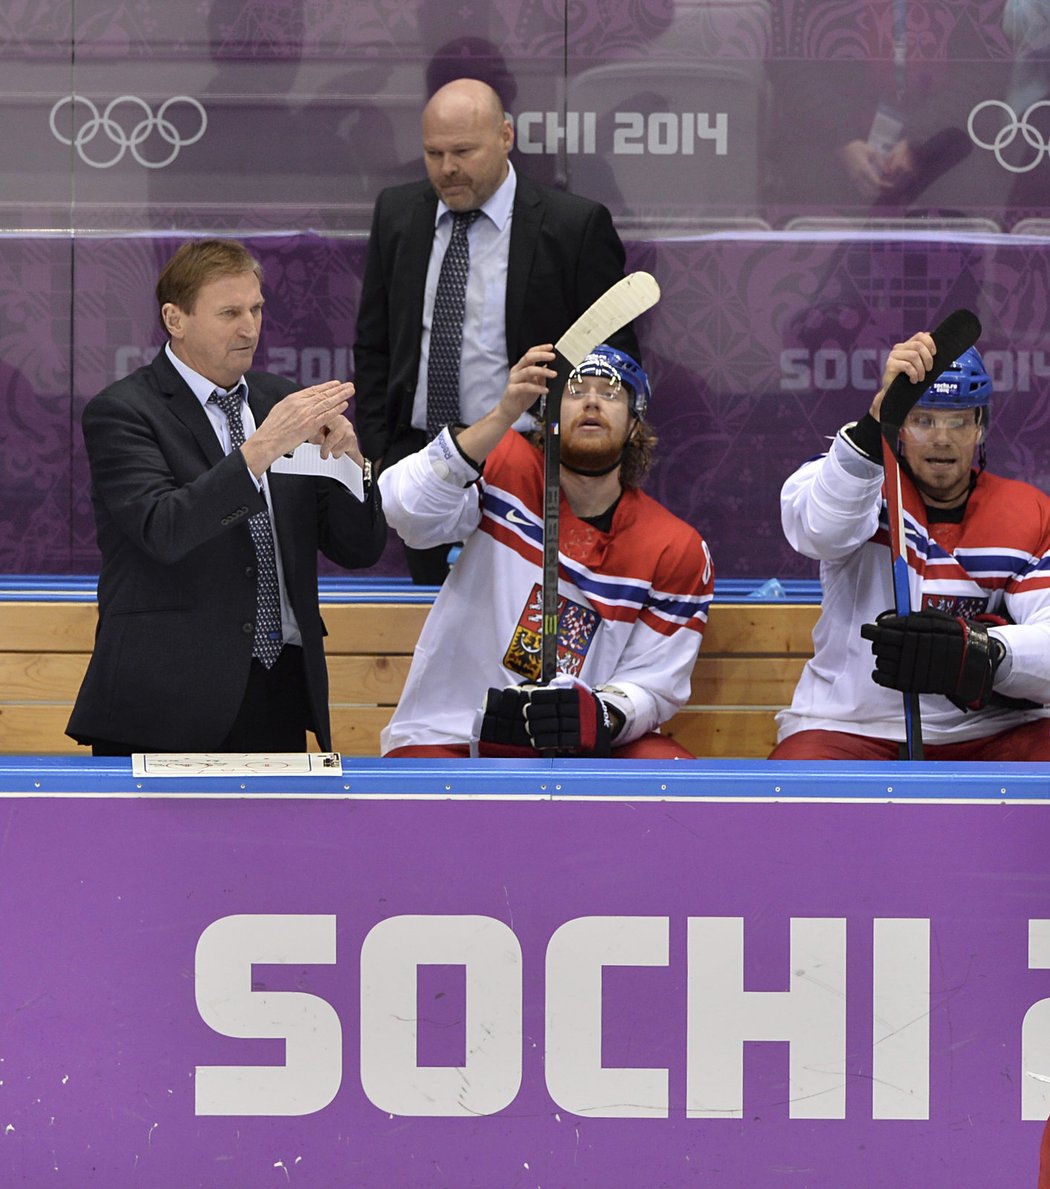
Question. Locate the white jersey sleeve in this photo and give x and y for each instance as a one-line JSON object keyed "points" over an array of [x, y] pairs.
{"points": [[1026, 670], [830, 506], [652, 677], [430, 497]]}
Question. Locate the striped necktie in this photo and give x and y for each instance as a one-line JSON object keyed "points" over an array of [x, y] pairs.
{"points": [[268, 641], [446, 328]]}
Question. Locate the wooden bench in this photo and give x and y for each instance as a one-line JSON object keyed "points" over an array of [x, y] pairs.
{"points": [[751, 658]]}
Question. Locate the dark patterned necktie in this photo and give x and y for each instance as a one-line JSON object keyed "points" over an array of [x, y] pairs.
{"points": [[446, 328], [268, 642]]}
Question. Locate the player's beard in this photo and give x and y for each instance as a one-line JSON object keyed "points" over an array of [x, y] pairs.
{"points": [[591, 452]]}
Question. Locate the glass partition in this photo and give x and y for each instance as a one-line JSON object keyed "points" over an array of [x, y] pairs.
{"points": [[809, 181]]}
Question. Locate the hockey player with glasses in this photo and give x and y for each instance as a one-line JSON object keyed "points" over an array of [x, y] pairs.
{"points": [[635, 582], [976, 645]]}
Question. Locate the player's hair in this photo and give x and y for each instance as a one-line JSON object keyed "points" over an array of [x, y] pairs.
{"points": [[198, 262], [638, 454]]}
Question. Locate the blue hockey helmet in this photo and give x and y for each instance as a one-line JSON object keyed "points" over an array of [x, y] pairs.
{"points": [[620, 367], [965, 384]]}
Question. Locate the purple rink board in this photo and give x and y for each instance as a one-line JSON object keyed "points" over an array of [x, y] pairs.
{"points": [[530, 972]]}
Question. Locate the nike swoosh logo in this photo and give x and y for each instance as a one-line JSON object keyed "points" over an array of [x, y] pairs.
{"points": [[515, 517]]}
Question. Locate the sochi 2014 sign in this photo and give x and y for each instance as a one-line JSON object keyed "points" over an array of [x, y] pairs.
{"points": [[720, 1017], [624, 133]]}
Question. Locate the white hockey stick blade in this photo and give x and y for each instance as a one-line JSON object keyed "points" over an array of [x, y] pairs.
{"points": [[617, 306]]}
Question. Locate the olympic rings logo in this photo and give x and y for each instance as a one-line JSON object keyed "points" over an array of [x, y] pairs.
{"points": [[1008, 133], [112, 129]]}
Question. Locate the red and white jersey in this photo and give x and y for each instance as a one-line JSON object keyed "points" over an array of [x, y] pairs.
{"points": [[995, 561], [633, 601]]}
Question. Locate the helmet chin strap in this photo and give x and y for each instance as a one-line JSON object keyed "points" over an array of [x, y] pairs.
{"points": [[594, 473], [599, 471]]}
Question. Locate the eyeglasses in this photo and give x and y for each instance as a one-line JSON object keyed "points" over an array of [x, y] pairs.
{"points": [[922, 425]]}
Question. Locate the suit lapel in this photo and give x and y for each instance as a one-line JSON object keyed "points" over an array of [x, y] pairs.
{"points": [[259, 402], [524, 235], [413, 255], [186, 407]]}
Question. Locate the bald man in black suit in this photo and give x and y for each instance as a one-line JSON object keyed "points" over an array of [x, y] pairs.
{"points": [[538, 259]]}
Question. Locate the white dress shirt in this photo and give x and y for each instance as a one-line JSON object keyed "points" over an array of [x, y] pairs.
{"points": [[483, 360]]}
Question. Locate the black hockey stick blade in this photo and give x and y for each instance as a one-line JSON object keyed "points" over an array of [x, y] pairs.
{"points": [[959, 331]]}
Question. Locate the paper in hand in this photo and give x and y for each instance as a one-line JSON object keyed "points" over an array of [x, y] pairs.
{"points": [[306, 460]]}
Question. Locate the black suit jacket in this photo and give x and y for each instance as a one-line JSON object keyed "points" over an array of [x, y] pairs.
{"points": [[176, 592], [564, 253]]}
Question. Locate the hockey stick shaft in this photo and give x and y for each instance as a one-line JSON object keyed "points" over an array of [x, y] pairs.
{"points": [[614, 309], [551, 521], [959, 331], [901, 592]]}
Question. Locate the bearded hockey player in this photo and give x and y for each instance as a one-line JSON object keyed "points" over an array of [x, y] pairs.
{"points": [[634, 588], [976, 646]]}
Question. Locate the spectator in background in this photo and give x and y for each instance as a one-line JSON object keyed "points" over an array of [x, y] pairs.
{"points": [[1027, 24], [867, 109]]}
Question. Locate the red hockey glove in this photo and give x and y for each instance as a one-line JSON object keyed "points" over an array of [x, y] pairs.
{"points": [[930, 652]]}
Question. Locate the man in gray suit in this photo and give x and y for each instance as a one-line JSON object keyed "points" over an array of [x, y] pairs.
{"points": [[209, 634], [538, 258]]}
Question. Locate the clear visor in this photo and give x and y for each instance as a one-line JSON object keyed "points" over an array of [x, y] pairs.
{"points": [[922, 425]]}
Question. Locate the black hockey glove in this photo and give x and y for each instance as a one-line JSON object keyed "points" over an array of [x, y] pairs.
{"points": [[503, 730], [930, 652], [569, 722]]}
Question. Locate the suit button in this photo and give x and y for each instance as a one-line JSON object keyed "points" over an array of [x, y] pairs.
{"points": [[248, 629], [249, 571]]}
